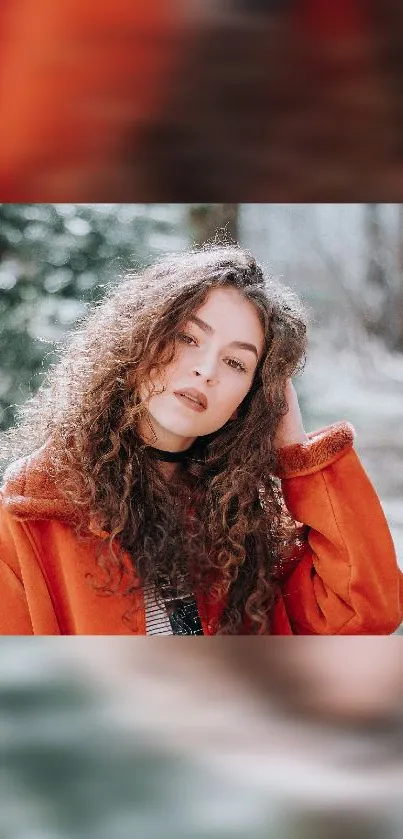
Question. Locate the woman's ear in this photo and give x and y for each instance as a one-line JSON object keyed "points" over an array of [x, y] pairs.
{"points": [[234, 415]]}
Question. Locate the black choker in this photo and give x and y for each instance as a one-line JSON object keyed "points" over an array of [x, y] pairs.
{"points": [[168, 457]]}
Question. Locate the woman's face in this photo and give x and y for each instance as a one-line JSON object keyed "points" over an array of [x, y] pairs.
{"points": [[210, 359]]}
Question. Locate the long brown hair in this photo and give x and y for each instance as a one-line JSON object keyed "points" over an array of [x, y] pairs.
{"points": [[220, 526]]}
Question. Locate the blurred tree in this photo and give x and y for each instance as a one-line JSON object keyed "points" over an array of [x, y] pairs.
{"points": [[206, 219], [54, 260], [384, 279], [375, 269]]}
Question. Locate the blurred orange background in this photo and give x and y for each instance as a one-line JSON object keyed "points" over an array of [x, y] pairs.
{"points": [[173, 100]]}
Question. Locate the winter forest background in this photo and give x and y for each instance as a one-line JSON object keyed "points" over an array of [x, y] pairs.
{"points": [[345, 260]]}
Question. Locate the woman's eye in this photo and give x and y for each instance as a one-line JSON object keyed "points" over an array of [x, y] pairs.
{"points": [[185, 338], [237, 365]]}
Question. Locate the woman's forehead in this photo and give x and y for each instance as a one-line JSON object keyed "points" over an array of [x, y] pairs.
{"points": [[230, 314], [221, 300]]}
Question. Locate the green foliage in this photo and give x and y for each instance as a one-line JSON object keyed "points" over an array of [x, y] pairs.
{"points": [[55, 259]]}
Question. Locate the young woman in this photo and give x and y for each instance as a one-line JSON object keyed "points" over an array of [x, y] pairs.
{"points": [[168, 484]]}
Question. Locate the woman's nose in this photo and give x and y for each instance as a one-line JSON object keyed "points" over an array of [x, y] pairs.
{"points": [[207, 368]]}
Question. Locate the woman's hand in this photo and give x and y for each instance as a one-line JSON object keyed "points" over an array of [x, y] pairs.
{"points": [[291, 428]]}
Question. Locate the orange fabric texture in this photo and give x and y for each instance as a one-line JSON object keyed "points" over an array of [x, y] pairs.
{"points": [[344, 580]]}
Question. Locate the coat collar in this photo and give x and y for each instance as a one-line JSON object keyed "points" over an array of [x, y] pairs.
{"points": [[30, 490]]}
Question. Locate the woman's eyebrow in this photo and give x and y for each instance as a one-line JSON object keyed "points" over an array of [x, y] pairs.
{"points": [[209, 329]]}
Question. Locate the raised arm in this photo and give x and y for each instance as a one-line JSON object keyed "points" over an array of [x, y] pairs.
{"points": [[347, 580]]}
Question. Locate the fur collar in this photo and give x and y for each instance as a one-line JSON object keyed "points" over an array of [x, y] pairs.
{"points": [[30, 490]]}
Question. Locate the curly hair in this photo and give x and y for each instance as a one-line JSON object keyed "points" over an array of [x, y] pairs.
{"points": [[219, 527]]}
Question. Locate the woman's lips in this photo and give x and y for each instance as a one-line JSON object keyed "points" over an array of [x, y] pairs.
{"points": [[190, 403]]}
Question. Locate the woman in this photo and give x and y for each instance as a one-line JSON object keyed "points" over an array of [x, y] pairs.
{"points": [[150, 499]]}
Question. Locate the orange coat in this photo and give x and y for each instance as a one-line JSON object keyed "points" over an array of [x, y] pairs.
{"points": [[344, 581]]}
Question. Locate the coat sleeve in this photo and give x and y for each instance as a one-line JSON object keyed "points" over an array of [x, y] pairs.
{"points": [[14, 612], [346, 580]]}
